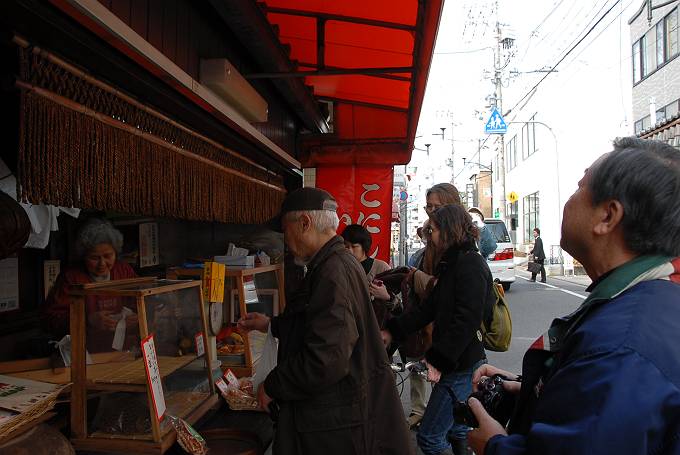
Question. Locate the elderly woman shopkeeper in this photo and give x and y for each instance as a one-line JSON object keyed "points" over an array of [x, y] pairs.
{"points": [[97, 246]]}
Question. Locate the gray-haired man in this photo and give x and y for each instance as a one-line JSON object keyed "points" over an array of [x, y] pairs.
{"points": [[333, 384]]}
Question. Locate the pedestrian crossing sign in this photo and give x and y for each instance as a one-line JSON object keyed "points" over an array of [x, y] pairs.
{"points": [[495, 124]]}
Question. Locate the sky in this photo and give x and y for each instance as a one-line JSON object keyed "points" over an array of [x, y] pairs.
{"points": [[586, 101]]}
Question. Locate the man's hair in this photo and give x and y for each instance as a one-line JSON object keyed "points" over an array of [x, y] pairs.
{"points": [[644, 176], [96, 232], [455, 226], [448, 194], [538, 231], [322, 220], [356, 233]]}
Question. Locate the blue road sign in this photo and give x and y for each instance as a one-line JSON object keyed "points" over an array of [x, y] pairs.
{"points": [[495, 124]]}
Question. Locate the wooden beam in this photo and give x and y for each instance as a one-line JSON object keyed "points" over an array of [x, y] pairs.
{"points": [[340, 18], [333, 72]]}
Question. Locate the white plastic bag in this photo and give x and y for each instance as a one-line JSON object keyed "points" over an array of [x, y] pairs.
{"points": [[267, 360]]}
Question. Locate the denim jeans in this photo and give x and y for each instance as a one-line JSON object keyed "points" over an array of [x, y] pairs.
{"points": [[437, 425]]}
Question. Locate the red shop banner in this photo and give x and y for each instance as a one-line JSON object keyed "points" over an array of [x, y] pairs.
{"points": [[364, 196]]}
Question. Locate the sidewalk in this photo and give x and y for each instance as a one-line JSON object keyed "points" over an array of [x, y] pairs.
{"points": [[581, 280]]}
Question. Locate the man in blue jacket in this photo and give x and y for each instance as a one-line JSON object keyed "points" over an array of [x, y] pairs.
{"points": [[606, 378]]}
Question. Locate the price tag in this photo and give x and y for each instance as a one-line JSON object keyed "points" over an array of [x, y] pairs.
{"points": [[231, 379], [200, 345], [221, 385], [153, 376]]}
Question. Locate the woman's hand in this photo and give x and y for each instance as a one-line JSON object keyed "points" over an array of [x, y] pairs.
{"points": [[488, 427], [486, 371], [386, 337], [379, 291], [433, 374], [131, 320], [254, 321], [103, 320]]}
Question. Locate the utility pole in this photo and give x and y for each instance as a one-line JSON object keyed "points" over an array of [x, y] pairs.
{"points": [[499, 106]]}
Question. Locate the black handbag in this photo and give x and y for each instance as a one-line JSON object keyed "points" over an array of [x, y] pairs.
{"points": [[534, 267]]}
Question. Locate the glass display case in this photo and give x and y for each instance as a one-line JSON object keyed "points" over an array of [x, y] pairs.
{"points": [[246, 290], [154, 335]]}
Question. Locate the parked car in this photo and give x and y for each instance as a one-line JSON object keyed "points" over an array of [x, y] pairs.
{"points": [[502, 261]]}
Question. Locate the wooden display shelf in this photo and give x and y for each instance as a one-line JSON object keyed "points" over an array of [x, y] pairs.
{"points": [[133, 372], [127, 376], [102, 442]]}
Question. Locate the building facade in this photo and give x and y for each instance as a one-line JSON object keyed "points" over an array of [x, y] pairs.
{"points": [[655, 67]]}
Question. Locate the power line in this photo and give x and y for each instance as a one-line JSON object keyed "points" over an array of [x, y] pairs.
{"points": [[554, 67]]}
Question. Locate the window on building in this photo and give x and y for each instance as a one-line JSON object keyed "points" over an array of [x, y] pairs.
{"points": [[531, 212], [529, 138], [637, 75], [650, 51], [511, 153], [660, 40], [672, 109], [671, 22]]}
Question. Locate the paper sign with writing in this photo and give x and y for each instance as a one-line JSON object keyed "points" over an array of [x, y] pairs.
{"points": [[221, 385], [153, 376], [200, 345], [364, 196], [231, 379]]}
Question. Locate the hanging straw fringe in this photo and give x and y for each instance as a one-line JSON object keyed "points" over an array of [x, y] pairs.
{"points": [[82, 146]]}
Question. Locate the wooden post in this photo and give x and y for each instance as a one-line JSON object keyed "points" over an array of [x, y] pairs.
{"points": [[282, 288], [78, 368], [242, 306]]}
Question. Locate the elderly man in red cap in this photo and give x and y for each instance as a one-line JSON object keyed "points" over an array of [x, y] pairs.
{"points": [[333, 387]]}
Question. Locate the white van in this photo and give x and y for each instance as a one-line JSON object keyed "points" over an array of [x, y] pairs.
{"points": [[502, 261]]}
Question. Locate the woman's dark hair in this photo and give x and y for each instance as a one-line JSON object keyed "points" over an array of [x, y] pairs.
{"points": [[448, 194], [455, 226], [644, 176], [356, 233]]}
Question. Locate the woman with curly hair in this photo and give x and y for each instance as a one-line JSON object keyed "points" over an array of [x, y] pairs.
{"points": [[98, 245], [455, 305]]}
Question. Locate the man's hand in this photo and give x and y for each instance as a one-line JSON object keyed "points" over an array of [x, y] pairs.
{"points": [[488, 427], [486, 371], [433, 374], [254, 321], [263, 399], [386, 337], [379, 291]]}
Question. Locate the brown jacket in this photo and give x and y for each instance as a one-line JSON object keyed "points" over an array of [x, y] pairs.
{"points": [[333, 382]]}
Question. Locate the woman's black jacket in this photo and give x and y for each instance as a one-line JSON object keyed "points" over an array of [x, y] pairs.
{"points": [[456, 306]]}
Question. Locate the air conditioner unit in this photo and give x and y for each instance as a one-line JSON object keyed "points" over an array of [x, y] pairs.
{"points": [[220, 76]]}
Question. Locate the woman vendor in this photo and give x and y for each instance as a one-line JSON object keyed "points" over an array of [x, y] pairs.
{"points": [[97, 246]]}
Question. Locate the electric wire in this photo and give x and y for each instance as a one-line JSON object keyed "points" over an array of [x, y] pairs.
{"points": [[554, 67]]}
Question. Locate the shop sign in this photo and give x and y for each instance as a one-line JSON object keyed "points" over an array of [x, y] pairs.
{"points": [[148, 245], [364, 196]]}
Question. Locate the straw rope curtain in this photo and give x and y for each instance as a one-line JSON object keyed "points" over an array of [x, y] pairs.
{"points": [[84, 146]]}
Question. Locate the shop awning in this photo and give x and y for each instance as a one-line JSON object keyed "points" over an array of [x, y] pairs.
{"points": [[370, 60]]}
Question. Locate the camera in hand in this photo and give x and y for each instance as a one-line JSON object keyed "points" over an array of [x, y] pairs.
{"points": [[497, 402]]}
